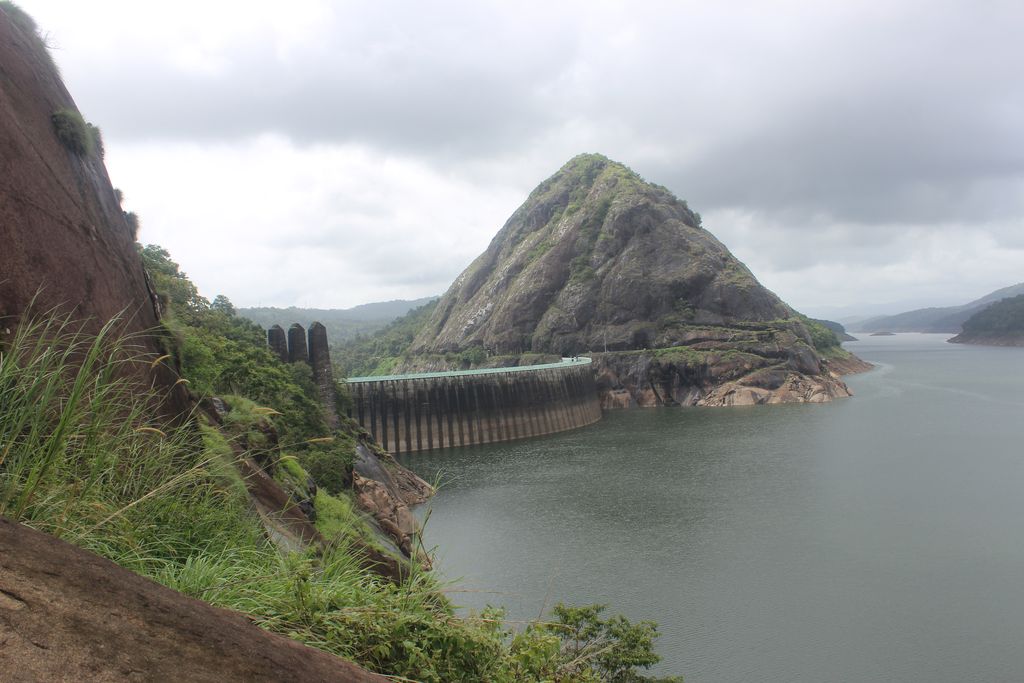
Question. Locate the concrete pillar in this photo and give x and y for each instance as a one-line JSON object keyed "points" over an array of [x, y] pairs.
{"points": [[278, 342], [297, 344], [323, 375]]}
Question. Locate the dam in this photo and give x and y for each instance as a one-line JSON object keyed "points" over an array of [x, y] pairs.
{"points": [[418, 412]]}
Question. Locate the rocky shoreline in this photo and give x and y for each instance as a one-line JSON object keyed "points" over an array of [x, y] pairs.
{"points": [[993, 339], [645, 379]]}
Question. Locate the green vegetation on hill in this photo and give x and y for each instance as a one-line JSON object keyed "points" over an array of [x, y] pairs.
{"points": [[1004, 316], [945, 319], [837, 329], [380, 352], [342, 324], [220, 353], [823, 338]]}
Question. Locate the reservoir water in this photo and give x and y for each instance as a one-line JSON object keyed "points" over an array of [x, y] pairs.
{"points": [[879, 538]]}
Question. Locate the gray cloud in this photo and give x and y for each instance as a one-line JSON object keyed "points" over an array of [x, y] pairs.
{"points": [[897, 114], [845, 135]]}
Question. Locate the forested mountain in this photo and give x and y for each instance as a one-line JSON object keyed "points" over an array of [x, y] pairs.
{"points": [[1000, 324], [341, 323]]}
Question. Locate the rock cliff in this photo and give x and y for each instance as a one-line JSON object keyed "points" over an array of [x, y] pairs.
{"points": [[66, 243], [66, 246], [597, 261]]}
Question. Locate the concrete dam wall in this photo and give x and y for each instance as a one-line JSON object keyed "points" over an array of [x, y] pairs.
{"points": [[410, 413]]}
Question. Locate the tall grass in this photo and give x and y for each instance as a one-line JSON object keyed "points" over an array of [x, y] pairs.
{"points": [[81, 459]]}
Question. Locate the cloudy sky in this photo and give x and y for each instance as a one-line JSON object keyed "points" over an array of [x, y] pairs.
{"points": [[859, 156]]}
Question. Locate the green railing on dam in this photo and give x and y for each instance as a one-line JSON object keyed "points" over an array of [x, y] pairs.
{"points": [[422, 411], [565, 362]]}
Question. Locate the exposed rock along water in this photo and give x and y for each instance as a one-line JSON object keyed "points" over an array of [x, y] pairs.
{"points": [[598, 261]]}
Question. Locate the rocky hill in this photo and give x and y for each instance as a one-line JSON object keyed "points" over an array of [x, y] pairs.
{"points": [[944, 319], [66, 242], [597, 261], [1000, 324]]}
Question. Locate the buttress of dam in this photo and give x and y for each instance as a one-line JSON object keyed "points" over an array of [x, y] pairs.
{"points": [[410, 413]]}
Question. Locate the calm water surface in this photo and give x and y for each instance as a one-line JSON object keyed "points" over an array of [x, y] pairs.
{"points": [[879, 538]]}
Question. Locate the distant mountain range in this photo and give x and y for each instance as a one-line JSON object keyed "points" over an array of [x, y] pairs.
{"points": [[944, 319], [341, 323]]}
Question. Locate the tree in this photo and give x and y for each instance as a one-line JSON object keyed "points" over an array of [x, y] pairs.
{"points": [[223, 304], [172, 285], [610, 648]]}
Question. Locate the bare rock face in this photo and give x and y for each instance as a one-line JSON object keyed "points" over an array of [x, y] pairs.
{"points": [[596, 258], [599, 262], [723, 368], [69, 615], [386, 491], [65, 241]]}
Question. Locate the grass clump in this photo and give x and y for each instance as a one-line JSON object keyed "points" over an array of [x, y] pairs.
{"points": [[74, 133], [81, 459]]}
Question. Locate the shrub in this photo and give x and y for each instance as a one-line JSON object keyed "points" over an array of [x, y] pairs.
{"points": [[822, 338], [74, 133], [97, 138], [472, 357], [330, 464], [132, 219]]}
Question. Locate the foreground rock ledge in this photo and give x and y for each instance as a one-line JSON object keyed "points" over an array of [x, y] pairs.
{"points": [[69, 615]]}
